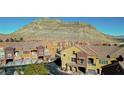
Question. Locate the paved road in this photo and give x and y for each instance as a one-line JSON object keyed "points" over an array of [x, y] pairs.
{"points": [[53, 69]]}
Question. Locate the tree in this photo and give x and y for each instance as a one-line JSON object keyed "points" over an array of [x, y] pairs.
{"points": [[115, 44], [35, 69], [120, 58], [21, 39], [1, 40], [108, 56], [11, 40], [7, 40], [16, 40]]}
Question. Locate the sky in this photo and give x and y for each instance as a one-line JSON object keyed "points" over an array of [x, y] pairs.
{"points": [[108, 25]]}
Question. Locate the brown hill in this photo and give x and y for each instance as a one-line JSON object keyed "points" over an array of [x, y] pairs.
{"points": [[54, 29], [4, 37]]}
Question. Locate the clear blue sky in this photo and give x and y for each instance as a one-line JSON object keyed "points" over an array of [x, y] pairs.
{"points": [[107, 25]]}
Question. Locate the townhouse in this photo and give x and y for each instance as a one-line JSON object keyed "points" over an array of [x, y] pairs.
{"points": [[2, 56], [103, 56], [78, 58], [18, 55], [68, 57], [9, 54], [40, 52], [89, 59]]}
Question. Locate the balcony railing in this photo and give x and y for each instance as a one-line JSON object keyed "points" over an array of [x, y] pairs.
{"points": [[91, 64]]}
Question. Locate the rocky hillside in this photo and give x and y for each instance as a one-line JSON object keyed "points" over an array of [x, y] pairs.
{"points": [[4, 37], [54, 29]]}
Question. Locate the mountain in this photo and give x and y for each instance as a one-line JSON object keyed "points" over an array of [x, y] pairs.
{"points": [[119, 38], [55, 29], [4, 37]]}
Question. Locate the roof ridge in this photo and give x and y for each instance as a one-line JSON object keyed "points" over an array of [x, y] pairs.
{"points": [[82, 49], [92, 50], [117, 51]]}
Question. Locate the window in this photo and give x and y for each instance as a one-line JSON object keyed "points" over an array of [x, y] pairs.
{"points": [[103, 62], [46, 52], [34, 53], [2, 54], [81, 61], [73, 59], [90, 61], [9, 55], [17, 53]]}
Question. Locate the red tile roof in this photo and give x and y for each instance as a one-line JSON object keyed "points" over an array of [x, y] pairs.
{"points": [[103, 51], [119, 52]]}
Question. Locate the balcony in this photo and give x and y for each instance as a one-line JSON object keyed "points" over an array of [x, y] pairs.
{"points": [[91, 62]]}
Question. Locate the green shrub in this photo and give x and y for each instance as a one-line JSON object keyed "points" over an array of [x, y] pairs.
{"points": [[35, 69]]}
